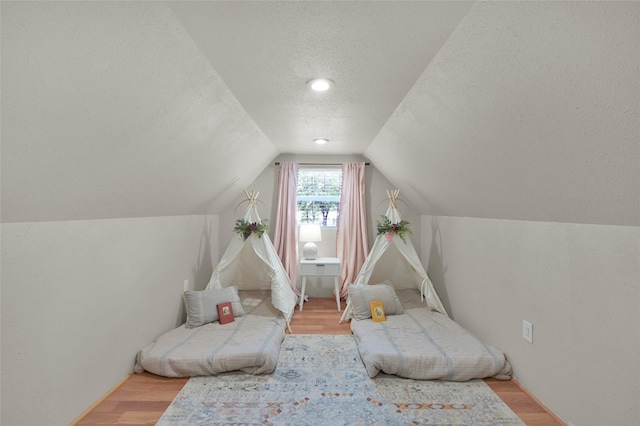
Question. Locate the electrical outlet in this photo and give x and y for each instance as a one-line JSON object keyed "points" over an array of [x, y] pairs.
{"points": [[186, 284], [527, 331]]}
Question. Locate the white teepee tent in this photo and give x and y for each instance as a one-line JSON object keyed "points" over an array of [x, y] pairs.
{"points": [[389, 253], [253, 264]]}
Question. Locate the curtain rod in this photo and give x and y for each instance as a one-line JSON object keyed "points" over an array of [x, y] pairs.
{"points": [[277, 163]]}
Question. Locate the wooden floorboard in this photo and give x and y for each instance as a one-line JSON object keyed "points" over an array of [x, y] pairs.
{"points": [[142, 398]]}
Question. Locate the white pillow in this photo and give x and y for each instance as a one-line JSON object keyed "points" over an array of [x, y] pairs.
{"points": [[361, 295], [202, 306]]}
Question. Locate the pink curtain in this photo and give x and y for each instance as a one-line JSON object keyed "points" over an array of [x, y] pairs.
{"points": [[284, 238], [352, 244]]}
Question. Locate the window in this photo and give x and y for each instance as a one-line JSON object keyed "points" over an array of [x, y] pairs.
{"points": [[319, 195]]}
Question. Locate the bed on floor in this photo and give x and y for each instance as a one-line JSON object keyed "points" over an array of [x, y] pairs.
{"points": [[203, 346], [418, 342]]}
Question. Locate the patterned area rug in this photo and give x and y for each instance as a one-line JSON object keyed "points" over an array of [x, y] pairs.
{"points": [[320, 380]]}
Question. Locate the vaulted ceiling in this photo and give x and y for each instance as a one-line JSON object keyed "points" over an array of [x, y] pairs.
{"points": [[510, 110]]}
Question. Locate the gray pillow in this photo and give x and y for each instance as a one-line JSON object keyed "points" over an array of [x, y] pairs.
{"points": [[202, 306], [361, 295]]}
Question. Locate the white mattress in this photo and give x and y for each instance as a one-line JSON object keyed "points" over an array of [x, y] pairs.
{"points": [[250, 343], [425, 344]]}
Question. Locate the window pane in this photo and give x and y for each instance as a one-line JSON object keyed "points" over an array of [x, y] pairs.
{"points": [[319, 196]]}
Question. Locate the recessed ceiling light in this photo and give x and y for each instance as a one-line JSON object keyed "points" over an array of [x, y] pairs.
{"points": [[321, 141], [320, 84]]}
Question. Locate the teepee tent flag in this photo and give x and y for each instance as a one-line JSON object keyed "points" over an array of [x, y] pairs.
{"points": [[393, 251], [250, 262]]}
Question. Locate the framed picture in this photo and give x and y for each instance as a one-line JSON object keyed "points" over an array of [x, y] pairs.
{"points": [[225, 312], [377, 311]]}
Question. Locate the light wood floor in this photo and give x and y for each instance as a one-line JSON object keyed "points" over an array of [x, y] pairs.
{"points": [[142, 398]]}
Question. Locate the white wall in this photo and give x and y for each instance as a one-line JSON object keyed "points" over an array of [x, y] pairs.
{"points": [[579, 286], [80, 298]]}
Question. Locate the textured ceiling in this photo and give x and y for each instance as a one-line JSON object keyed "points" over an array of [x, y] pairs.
{"points": [[531, 110], [512, 110], [110, 110], [266, 52]]}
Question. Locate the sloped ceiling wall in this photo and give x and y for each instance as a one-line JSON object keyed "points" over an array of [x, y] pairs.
{"points": [[108, 110], [529, 111]]}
